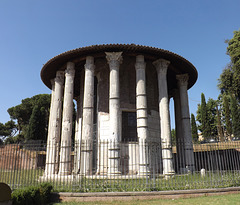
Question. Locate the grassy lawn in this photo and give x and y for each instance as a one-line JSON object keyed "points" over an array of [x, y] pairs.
{"points": [[19, 179], [231, 199]]}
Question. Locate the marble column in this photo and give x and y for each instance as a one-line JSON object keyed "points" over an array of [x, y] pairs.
{"points": [[66, 142], [77, 142], [114, 60], [87, 123], [162, 66], [142, 115], [179, 137], [54, 129], [186, 125]]}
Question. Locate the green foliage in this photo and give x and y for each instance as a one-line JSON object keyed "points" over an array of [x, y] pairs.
{"points": [[212, 116], [206, 116], [32, 195], [8, 129], [37, 125], [219, 126], [233, 49], [227, 115], [194, 128], [235, 113], [173, 134], [34, 110], [229, 81]]}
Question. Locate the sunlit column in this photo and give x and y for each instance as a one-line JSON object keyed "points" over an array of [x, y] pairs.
{"points": [[87, 123], [114, 60], [142, 115], [52, 158], [66, 142]]}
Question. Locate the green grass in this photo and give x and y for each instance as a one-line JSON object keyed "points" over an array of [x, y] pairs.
{"points": [[19, 179], [230, 199]]}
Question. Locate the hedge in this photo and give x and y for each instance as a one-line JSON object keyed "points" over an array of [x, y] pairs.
{"points": [[37, 195]]}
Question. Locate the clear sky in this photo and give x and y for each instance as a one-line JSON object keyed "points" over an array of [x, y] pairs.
{"points": [[32, 32]]}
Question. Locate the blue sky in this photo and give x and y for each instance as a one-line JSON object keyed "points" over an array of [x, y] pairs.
{"points": [[32, 32]]}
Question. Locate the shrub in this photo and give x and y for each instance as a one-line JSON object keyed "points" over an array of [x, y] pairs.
{"points": [[36, 195]]}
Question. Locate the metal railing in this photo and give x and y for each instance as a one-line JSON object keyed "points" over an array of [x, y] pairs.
{"points": [[215, 165]]}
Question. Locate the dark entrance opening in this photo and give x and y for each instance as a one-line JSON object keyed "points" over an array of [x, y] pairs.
{"points": [[129, 127]]}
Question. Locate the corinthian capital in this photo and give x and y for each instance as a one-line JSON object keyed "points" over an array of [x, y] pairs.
{"points": [[89, 63], [161, 65], [59, 77], [182, 79], [140, 64], [70, 69], [114, 58]]}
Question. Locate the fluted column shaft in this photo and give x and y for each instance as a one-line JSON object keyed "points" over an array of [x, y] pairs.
{"points": [[142, 115], [186, 125], [65, 155], [55, 117], [87, 124], [162, 66], [114, 60]]}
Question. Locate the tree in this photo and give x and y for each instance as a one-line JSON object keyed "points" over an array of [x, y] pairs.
{"points": [[202, 117], [23, 113], [194, 128], [37, 125], [225, 82], [173, 134], [229, 81], [235, 113], [227, 115], [219, 126], [8, 129], [212, 117], [233, 50]]}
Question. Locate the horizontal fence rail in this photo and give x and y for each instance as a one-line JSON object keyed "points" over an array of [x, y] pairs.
{"points": [[104, 166]]}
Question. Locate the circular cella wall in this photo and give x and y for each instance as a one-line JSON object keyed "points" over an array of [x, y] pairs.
{"points": [[122, 94]]}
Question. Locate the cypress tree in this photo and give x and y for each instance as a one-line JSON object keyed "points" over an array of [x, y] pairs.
{"points": [[37, 123], [204, 118], [219, 126], [194, 128], [235, 113], [227, 115]]}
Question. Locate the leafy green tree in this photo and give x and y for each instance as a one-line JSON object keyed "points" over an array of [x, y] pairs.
{"points": [[23, 112], [235, 113], [194, 128], [8, 129], [225, 82], [233, 49], [229, 81]]}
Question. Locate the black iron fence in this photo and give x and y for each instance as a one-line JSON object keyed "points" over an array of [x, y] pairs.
{"points": [[134, 166]]}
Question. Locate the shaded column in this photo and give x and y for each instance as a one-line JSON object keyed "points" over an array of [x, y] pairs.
{"points": [[186, 125], [162, 66], [66, 142], [77, 141], [54, 124], [114, 60], [142, 115], [179, 136], [87, 123]]}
